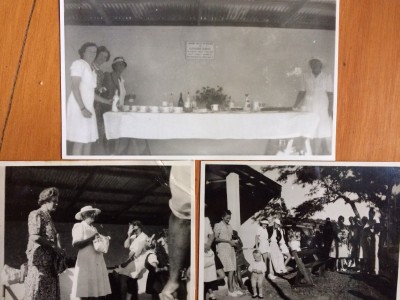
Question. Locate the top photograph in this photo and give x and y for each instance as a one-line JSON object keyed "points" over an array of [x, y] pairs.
{"points": [[199, 79]]}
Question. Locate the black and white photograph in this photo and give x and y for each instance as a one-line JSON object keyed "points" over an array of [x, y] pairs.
{"points": [[89, 231], [199, 79], [299, 231]]}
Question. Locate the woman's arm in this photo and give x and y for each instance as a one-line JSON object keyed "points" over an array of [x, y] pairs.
{"points": [[208, 243], [230, 242], [299, 98], [84, 243], [47, 243], [103, 100], [78, 97], [330, 106]]}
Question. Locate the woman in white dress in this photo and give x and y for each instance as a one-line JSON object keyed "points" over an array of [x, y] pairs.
{"points": [[262, 244], [90, 275], [316, 95], [276, 252], [225, 249], [81, 118]]}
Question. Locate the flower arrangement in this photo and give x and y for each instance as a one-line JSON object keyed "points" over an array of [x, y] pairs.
{"points": [[208, 96]]}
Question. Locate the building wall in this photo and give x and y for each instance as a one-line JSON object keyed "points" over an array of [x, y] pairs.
{"points": [[263, 62]]}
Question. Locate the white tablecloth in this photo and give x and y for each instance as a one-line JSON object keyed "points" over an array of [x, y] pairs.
{"points": [[221, 125]]}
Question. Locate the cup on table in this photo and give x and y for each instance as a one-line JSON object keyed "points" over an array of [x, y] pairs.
{"points": [[165, 109], [214, 107], [256, 106], [178, 109], [134, 108], [154, 109], [143, 108], [164, 104]]}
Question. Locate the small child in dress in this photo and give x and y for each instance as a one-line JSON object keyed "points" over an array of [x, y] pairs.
{"points": [[257, 269]]}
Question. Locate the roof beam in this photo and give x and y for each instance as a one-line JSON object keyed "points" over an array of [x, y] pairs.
{"points": [[136, 200], [82, 188], [100, 11]]}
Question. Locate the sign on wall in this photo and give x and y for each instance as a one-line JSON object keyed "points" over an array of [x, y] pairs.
{"points": [[199, 50]]}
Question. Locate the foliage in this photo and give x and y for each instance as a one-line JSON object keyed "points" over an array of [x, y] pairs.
{"points": [[275, 207], [351, 184], [208, 96]]}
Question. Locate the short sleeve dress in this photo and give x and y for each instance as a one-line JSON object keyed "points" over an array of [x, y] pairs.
{"points": [[316, 100], [90, 275], [263, 236], [42, 279], [79, 128], [225, 251]]}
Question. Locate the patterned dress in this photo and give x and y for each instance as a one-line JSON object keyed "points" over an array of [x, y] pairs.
{"points": [[42, 278], [340, 247], [225, 251]]}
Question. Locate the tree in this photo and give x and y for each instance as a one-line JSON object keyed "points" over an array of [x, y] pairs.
{"points": [[275, 207], [349, 183]]}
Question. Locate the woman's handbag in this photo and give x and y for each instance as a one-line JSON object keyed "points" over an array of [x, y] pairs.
{"points": [[101, 243]]}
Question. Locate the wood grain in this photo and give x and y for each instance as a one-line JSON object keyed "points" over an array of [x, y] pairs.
{"points": [[369, 81], [34, 130], [14, 18]]}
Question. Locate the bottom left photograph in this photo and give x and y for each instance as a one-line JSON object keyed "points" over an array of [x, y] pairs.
{"points": [[97, 231]]}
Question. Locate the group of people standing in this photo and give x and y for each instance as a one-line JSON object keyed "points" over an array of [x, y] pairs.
{"points": [[46, 258], [92, 92], [270, 254], [354, 246]]}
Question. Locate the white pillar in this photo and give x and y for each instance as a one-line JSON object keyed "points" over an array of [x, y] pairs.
{"points": [[233, 196]]}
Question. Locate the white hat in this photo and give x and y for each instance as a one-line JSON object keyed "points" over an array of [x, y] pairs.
{"points": [[264, 221], [277, 221], [78, 216]]}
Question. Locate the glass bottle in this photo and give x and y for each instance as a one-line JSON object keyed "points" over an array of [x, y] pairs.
{"points": [[247, 104], [180, 102], [188, 103]]}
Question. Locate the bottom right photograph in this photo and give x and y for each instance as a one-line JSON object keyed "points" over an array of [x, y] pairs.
{"points": [[291, 230]]}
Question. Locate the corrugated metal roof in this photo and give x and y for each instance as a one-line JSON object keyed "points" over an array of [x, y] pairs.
{"points": [[310, 14], [122, 193]]}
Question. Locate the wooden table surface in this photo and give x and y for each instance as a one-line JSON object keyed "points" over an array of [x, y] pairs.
{"points": [[368, 113]]}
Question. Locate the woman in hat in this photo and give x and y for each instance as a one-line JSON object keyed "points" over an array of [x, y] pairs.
{"points": [[115, 85], [81, 118], [262, 244], [275, 246], [90, 276], [43, 250], [316, 95]]}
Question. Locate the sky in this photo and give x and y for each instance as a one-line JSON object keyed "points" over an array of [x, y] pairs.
{"points": [[294, 195]]}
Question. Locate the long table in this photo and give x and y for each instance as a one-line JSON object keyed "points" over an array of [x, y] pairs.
{"points": [[205, 129]]}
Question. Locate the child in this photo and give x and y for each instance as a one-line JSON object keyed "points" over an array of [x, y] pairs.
{"points": [[257, 269]]}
